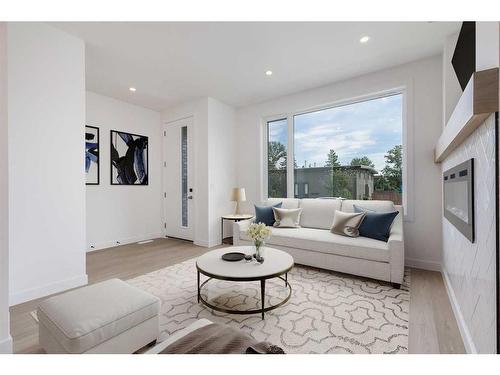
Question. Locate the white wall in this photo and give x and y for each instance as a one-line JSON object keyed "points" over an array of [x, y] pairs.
{"points": [[214, 163], [487, 42], [46, 114], [222, 166], [5, 339], [424, 110], [116, 213]]}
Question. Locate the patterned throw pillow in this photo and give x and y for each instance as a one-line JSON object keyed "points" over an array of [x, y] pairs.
{"points": [[347, 223], [287, 218]]}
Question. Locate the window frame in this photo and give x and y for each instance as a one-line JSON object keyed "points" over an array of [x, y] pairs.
{"points": [[406, 91]]}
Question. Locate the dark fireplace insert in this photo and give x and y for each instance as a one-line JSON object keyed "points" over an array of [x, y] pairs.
{"points": [[458, 197]]}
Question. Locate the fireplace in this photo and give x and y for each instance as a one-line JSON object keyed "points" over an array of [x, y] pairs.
{"points": [[458, 197]]}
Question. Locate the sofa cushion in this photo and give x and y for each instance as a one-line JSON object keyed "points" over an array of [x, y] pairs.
{"points": [[376, 225], [287, 203], [377, 206], [83, 318], [287, 218], [347, 223], [318, 213], [264, 214], [324, 241]]}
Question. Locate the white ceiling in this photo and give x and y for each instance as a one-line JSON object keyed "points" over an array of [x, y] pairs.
{"points": [[171, 62]]}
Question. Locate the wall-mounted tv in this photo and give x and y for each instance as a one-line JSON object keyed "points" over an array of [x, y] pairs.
{"points": [[464, 57]]}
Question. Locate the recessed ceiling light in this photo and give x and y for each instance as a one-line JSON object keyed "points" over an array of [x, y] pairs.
{"points": [[364, 39], [133, 89], [269, 72]]}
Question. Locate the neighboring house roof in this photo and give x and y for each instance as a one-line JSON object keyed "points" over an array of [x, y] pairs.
{"points": [[349, 167]]}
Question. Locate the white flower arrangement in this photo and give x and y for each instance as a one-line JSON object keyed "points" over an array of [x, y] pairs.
{"points": [[258, 232]]}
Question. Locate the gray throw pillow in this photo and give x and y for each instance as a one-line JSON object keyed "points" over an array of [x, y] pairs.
{"points": [[287, 218], [347, 223]]}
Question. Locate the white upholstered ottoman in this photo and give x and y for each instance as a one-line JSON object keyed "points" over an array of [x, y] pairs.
{"points": [[108, 317]]}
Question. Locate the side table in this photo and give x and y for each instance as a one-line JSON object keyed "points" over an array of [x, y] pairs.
{"points": [[232, 217]]}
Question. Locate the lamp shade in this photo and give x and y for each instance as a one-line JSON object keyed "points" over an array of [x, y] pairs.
{"points": [[238, 195]]}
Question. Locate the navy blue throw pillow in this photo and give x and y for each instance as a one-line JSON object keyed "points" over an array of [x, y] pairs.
{"points": [[265, 214], [376, 225]]}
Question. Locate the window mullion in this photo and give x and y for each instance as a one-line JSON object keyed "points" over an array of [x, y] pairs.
{"points": [[290, 159]]}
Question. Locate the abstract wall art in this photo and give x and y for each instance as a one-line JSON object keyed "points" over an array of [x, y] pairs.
{"points": [[129, 159], [91, 155]]}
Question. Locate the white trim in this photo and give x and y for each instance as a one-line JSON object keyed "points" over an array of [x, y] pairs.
{"points": [[204, 243], [42, 291], [6, 345], [189, 123], [423, 264], [290, 170], [265, 141], [462, 326], [123, 241]]}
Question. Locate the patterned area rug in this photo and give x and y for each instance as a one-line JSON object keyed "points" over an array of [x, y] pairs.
{"points": [[328, 312]]}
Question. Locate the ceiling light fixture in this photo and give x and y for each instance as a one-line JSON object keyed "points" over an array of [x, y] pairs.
{"points": [[364, 39], [133, 89], [269, 72]]}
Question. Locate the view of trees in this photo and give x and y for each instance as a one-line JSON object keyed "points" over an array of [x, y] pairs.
{"points": [[365, 160], [339, 182], [276, 167], [276, 155], [392, 174]]}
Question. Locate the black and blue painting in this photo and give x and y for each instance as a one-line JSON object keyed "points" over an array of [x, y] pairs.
{"points": [[129, 159], [91, 155]]}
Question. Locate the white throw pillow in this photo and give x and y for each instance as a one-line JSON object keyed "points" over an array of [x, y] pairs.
{"points": [[287, 218], [346, 223]]}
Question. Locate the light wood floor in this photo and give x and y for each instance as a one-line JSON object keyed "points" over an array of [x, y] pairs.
{"points": [[433, 328]]}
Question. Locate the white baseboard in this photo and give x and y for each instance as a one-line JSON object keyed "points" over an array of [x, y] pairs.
{"points": [[122, 241], [42, 291], [6, 345], [423, 264], [462, 326], [205, 243]]}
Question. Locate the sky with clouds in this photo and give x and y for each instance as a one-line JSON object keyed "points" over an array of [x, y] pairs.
{"points": [[368, 128]]}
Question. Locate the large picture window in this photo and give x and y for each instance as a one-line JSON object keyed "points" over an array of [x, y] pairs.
{"points": [[353, 151]]}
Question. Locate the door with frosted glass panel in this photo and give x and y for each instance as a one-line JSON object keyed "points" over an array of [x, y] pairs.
{"points": [[177, 180]]}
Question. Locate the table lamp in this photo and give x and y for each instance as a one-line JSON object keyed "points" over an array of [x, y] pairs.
{"points": [[238, 195]]}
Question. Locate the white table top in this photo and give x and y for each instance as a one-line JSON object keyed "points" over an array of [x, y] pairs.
{"points": [[276, 262], [237, 216]]}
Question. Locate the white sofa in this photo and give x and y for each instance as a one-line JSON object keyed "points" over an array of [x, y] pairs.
{"points": [[314, 245]]}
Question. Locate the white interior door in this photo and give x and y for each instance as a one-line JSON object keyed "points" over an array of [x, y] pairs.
{"points": [[177, 181]]}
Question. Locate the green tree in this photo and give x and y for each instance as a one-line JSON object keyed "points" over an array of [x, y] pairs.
{"points": [[365, 160], [276, 164], [276, 155], [393, 173], [332, 159], [338, 181]]}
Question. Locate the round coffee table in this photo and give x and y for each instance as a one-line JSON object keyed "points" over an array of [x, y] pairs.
{"points": [[276, 264]]}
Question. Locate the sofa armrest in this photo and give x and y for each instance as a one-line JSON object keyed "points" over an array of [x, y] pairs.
{"points": [[238, 227], [397, 249]]}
